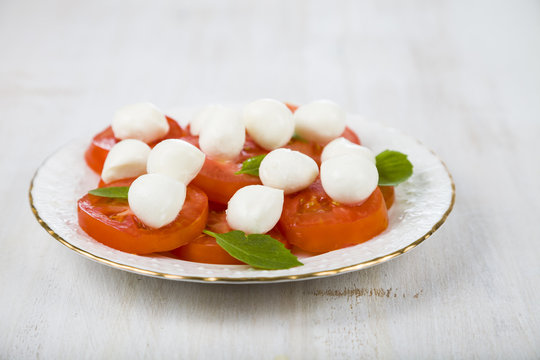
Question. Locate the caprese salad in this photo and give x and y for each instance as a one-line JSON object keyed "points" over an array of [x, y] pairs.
{"points": [[245, 186]]}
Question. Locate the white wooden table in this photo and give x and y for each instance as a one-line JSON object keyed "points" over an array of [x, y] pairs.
{"points": [[462, 76]]}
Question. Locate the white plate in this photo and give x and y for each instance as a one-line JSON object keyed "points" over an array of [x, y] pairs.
{"points": [[422, 205]]}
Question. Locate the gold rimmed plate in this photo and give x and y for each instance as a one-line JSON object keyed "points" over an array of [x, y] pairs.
{"points": [[422, 205]]}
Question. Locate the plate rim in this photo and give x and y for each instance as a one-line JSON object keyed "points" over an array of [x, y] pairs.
{"points": [[245, 280]]}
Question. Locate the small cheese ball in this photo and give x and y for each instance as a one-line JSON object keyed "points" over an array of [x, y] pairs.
{"points": [[288, 170], [222, 135], [177, 159], [342, 146], [200, 118], [126, 159], [319, 121], [269, 122], [255, 209], [141, 121], [349, 179], [156, 199]]}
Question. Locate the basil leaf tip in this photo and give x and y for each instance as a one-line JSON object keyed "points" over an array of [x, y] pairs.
{"points": [[117, 192], [258, 250], [251, 165], [393, 167]]}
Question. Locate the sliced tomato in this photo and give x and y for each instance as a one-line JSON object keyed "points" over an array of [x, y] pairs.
{"points": [[97, 152], [205, 249], [111, 222], [389, 195], [315, 223], [218, 179]]}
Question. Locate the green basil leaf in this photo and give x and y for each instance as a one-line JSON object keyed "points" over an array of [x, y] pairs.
{"points": [[258, 250], [251, 165], [394, 168], [118, 192]]}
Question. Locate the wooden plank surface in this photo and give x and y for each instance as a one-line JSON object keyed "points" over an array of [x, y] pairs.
{"points": [[462, 76]]}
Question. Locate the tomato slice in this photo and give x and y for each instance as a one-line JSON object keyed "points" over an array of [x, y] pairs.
{"points": [[205, 249], [218, 179], [111, 222], [97, 152], [312, 221]]}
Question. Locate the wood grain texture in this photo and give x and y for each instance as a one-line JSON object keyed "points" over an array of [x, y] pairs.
{"points": [[462, 76]]}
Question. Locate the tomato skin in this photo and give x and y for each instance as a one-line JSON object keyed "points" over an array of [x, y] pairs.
{"points": [[97, 152], [205, 249], [110, 222], [314, 223], [389, 195]]}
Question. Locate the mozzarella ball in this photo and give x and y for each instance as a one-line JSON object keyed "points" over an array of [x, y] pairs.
{"points": [[319, 121], [222, 135], [141, 121], [200, 118], [342, 146], [349, 179], [255, 209], [269, 122], [177, 159], [288, 170], [126, 159], [156, 199]]}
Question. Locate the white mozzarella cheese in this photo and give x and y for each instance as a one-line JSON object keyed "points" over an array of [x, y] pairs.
{"points": [[319, 121], [342, 146], [349, 179], [288, 170], [156, 199], [200, 118], [269, 122], [222, 135], [255, 209], [177, 159], [141, 121], [126, 159]]}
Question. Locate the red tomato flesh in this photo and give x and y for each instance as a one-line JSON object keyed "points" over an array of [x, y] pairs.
{"points": [[315, 223], [111, 222], [97, 152]]}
